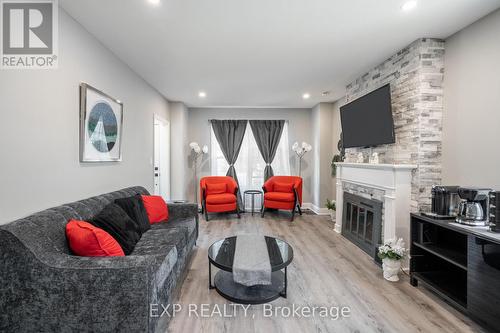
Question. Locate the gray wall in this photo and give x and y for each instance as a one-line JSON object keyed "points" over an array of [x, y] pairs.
{"points": [[299, 130], [39, 112], [179, 151], [471, 120]]}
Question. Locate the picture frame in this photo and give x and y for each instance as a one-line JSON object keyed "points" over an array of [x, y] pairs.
{"points": [[101, 126]]}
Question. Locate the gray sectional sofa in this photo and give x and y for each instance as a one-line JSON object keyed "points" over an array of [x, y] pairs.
{"points": [[44, 288]]}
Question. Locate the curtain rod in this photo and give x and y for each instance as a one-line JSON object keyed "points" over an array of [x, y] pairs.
{"points": [[286, 121]]}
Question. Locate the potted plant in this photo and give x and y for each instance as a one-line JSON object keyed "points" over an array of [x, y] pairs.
{"points": [[391, 253], [332, 207]]}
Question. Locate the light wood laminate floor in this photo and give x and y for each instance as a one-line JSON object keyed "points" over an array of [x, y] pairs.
{"points": [[327, 270]]}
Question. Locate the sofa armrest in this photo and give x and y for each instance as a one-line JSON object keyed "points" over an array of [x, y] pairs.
{"points": [[183, 211], [268, 186], [64, 290], [232, 185]]}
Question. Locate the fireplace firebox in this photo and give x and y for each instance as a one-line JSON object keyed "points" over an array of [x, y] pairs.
{"points": [[362, 222]]}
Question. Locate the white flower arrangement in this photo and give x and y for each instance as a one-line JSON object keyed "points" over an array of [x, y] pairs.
{"points": [[392, 249], [301, 150], [197, 149]]}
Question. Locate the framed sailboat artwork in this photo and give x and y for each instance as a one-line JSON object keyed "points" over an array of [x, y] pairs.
{"points": [[101, 122]]}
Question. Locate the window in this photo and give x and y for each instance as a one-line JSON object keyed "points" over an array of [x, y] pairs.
{"points": [[250, 164]]}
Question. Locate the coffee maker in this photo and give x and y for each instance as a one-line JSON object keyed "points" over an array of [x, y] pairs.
{"points": [[445, 202], [474, 209]]}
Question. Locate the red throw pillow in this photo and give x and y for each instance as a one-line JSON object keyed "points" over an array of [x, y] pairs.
{"points": [[283, 187], [217, 188], [86, 240], [156, 208]]}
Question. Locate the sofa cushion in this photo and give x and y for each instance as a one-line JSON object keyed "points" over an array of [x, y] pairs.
{"points": [[134, 207], [119, 225], [156, 208], [89, 241], [189, 224], [160, 241], [224, 208], [216, 188], [283, 187], [218, 199], [279, 196], [52, 226]]}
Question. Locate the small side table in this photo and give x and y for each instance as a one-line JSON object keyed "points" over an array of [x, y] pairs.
{"points": [[252, 193]]}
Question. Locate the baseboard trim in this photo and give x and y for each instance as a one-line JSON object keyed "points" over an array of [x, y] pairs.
{"points": [[315, 209]]}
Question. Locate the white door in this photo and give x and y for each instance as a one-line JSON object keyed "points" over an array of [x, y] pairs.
{"points": [[161, 172]]}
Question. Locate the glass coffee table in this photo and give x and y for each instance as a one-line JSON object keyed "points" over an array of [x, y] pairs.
{"points": [[221, 255]]}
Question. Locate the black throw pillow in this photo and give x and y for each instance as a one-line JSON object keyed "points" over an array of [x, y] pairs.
{"points": [[134, 207], [119, 225]]}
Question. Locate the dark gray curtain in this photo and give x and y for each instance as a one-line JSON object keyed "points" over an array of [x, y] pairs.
{"points": [[229, 134], [267, 134]]}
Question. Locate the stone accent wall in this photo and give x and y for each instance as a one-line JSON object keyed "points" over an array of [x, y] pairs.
{"points": [[416, 77]]}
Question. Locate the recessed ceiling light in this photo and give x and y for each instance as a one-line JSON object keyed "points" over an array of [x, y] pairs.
{"points": [[154, 2], [325, 93], [306, 96], [409, 5], [202, 94]]}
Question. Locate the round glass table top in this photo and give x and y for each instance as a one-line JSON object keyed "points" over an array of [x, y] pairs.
{"points": [[221, 253]]}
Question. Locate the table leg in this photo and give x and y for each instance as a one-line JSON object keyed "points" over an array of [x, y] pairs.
{"points": [[210, 286], [261, 202], [283, 293], [253, 202]]}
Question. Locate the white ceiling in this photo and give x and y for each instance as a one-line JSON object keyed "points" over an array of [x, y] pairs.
{"points": [[263, 52]]}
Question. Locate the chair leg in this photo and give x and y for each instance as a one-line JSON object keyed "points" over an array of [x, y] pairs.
{"points": [[238, 213], [263, 211], [300, 210], [206, 215], [293, 214]]}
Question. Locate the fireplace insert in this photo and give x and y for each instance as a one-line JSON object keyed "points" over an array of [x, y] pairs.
{"points": [[362, 222]]}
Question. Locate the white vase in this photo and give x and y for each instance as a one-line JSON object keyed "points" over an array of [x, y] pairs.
{"points": [[391, 269], [332, 215]]}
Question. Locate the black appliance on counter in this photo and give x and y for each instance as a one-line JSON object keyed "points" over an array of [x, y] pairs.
{"points": [[445, 202], [474, 209], [495, 211]]}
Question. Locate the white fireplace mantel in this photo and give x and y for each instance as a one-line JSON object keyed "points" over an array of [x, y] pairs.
{"points": [[394, 180]]}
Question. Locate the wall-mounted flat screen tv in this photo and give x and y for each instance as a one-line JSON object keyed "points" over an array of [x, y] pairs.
{"points": [[367, 121]]}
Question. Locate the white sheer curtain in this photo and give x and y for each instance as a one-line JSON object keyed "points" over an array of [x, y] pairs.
{"points": [[250, 164]]}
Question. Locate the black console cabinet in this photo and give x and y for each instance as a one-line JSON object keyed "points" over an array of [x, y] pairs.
{"points": [[461, 264]]}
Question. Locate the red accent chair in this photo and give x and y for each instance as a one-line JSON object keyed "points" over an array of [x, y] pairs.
{"points": [[283, 192], [219, 194]]}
